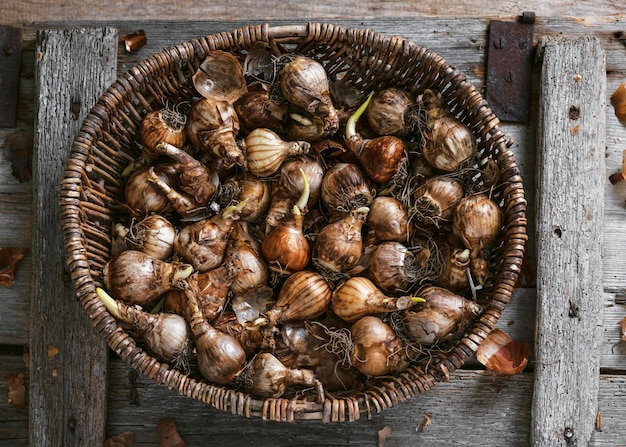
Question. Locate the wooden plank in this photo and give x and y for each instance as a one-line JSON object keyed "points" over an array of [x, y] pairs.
{"points": [[68, 359], [32, 10], [570, 182], [610, 431], [486, 411]]}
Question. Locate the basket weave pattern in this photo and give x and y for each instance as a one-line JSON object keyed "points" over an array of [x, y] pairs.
{"points": [[110, 139]]}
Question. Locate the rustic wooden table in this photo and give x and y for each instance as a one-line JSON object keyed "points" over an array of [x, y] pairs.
{"points": [[571, 393]]}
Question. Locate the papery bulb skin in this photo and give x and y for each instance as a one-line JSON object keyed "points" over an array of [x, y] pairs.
{"points": [[153, 235], [271, 378], [212, 126], [380, 157], [304, 295], [477, 223], [304, 83], [165, 335], [377, 350], [244, 253], [358, 297], [256, 109], [388, 220], [443, 317], [220, 77], [455, 269], [345, 187], [501, 354], [142, 196], [387, 113], [162, 126], [203, 243], [435, 201], [136, 278], [448, 143], [392, 267], [220, 356], [265, 151], [339, 245]]}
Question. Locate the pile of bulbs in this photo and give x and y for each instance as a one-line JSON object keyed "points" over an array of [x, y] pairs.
{"points": [[282, 232]]}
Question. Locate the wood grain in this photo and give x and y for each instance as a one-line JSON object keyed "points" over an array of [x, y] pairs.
{"points": [[68, 360], [571, 173], [36, 11]]}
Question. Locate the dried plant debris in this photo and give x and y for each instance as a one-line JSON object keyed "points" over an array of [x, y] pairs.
{"points": [[168, 435], [10, 259], [425, 423], [618, 100], [124, 439], [383, 434], [621, 175], [134, 41], [17, 390], [20, 151], [500, 354]]}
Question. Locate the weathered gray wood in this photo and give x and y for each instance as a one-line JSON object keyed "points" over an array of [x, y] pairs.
{"points": [[68, 361], [472, 409], [32, 10], [570, 183]]}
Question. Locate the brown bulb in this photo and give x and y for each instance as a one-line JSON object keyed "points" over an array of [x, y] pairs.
{"points": [[444, 316], [339, 245], [377, 350]]}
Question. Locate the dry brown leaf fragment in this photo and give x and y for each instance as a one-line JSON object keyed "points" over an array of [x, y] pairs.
{"points": [[10, 259], [168, 435], [52, 351], [622, 325], [17, 390], [20, 149], [618, 100], [383, 434], [621, 175], [500, 354], [425, 423], [134, 41], [124, 439]]}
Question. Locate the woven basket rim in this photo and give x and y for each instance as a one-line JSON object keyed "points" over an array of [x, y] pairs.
{"points": [[345, 408]]}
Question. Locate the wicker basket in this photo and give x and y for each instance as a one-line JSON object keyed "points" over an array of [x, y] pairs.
{"points": [[109, 140]]}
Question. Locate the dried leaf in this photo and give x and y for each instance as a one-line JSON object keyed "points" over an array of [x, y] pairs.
{"points": [[20, 150], [500, 354], [168, 435], [425, 423], [52, 351], [383, 434], [17, 390], [124, 439], [622, 325], [618, 100], [10, 259], [135, 41]]}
